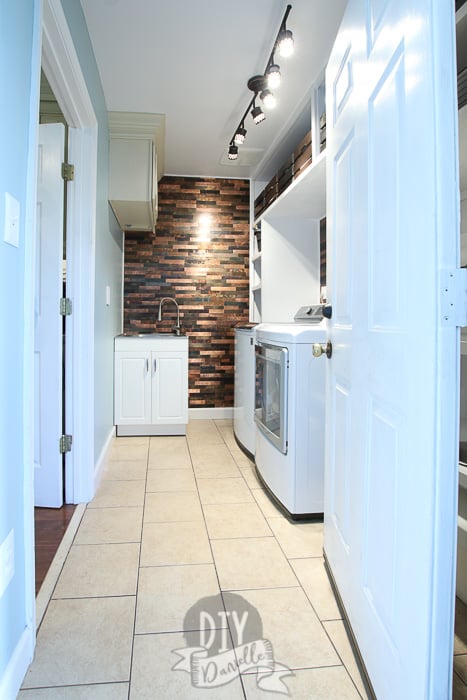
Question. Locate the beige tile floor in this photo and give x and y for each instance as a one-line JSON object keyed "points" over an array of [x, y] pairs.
{"points": [[177, 520]]}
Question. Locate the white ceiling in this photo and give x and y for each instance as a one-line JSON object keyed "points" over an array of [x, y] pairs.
{"points": [[191, 59]]}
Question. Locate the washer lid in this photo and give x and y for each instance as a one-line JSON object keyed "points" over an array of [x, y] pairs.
{"points": [[292, 332]]}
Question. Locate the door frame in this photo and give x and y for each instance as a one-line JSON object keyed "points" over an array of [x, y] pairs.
{"points": [[63, 71], [52, 45]]}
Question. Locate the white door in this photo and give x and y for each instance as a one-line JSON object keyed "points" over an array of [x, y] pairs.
{"points": [[48, 476], [390, 497]]}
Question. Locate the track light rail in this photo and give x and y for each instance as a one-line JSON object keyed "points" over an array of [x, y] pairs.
{"points": [[259, 86]]}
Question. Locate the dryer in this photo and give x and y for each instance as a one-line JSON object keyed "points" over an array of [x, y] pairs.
{"points": [[290, 412]]}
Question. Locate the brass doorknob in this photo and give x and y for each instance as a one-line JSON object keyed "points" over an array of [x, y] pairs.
{"points": [[319, 349]]}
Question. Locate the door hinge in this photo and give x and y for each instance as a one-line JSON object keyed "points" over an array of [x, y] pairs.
{"points": [[68, 171], [454, 297], [66, 306], [65, 444]]}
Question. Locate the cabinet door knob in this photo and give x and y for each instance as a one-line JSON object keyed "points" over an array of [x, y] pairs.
{"points": [[147, 365], [155, 364]]}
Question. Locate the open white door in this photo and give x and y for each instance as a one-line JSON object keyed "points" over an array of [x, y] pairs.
{"points": [[48, 472], [390, 504]]}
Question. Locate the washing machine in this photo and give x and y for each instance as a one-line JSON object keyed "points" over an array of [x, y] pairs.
{"points": [[244, 388], [290, 410]]}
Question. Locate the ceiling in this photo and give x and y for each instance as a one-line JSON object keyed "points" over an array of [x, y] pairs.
{"points": [[191, 59]]}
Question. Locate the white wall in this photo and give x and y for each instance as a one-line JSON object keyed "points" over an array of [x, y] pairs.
{"points": [[20, 61]]}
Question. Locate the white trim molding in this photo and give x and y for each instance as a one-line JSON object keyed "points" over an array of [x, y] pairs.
{"points": [[100, 464], [62, 67], [14, 674], [63, 71]]}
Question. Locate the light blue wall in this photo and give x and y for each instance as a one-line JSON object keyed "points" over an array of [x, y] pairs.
{"points": [[19, 35], [109, 247]]}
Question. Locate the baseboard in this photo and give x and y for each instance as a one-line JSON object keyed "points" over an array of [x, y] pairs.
{"points": [[100, 464], [211, 413], [353, 642], [11, 681]]}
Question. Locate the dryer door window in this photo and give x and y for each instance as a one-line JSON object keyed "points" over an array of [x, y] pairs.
{"points": [[271, 393]]}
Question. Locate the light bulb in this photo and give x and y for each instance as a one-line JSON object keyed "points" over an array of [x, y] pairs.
{"points": [[239, 137], [258, 115], [268, 99], [273, 76], [286, 43]]}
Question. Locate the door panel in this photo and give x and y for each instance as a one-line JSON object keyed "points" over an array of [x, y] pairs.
{"points": [[169, 388], [48, 476], [392, 381], [132, 388]]}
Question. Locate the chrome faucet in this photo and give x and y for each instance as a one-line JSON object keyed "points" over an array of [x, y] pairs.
{"points": [[176, 329]]}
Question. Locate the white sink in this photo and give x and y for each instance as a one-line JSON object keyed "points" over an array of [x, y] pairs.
{"points": [[151, 335]]}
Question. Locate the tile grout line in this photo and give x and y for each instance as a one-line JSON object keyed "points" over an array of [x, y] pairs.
{"points": [[213, 558], [130, 669], [299, 585], [279, 517]]}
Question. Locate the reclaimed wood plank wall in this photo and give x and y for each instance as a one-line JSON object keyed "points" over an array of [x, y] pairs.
{"points": [[204, 266]]}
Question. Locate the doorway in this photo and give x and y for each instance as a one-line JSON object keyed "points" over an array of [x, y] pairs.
{"points": [[51, 513], [63, 72]]}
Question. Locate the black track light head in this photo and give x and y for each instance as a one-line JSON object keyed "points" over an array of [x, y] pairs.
{"points": [[233, 152]]}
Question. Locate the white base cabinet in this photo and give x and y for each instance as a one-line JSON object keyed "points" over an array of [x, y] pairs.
{"points": [[151, 385]]}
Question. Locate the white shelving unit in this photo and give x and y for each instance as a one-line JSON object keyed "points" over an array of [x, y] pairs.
{"points": [[285, 273]]}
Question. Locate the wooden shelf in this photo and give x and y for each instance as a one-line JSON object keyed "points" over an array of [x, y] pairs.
{"points": [[305, 198]]}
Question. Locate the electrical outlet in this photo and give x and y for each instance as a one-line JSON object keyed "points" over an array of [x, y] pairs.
{"points": [[7, 561]]}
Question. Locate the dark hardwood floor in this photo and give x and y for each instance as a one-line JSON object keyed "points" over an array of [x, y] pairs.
{"points": [[50, 525]]}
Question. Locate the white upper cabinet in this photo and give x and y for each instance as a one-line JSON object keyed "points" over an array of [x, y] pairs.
{"points": [[136, 153]]}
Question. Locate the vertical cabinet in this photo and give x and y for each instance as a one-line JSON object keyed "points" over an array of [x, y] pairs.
{"points": [[151, 385]]}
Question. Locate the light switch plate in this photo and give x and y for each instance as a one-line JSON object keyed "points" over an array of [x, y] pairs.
{"points": [[11, 225]]}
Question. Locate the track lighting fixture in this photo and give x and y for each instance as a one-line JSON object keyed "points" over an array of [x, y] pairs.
{"points": [[263, 84], [239, 137], [286, 44], [257, 114]]}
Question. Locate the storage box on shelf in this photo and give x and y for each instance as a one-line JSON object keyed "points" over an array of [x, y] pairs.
{"points": [[270, 191], [302, 155], [294, 166], [260, 205], [285, 175]]}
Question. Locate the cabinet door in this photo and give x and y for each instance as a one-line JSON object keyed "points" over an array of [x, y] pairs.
{"points": [[169, 387], [132, 388]]}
